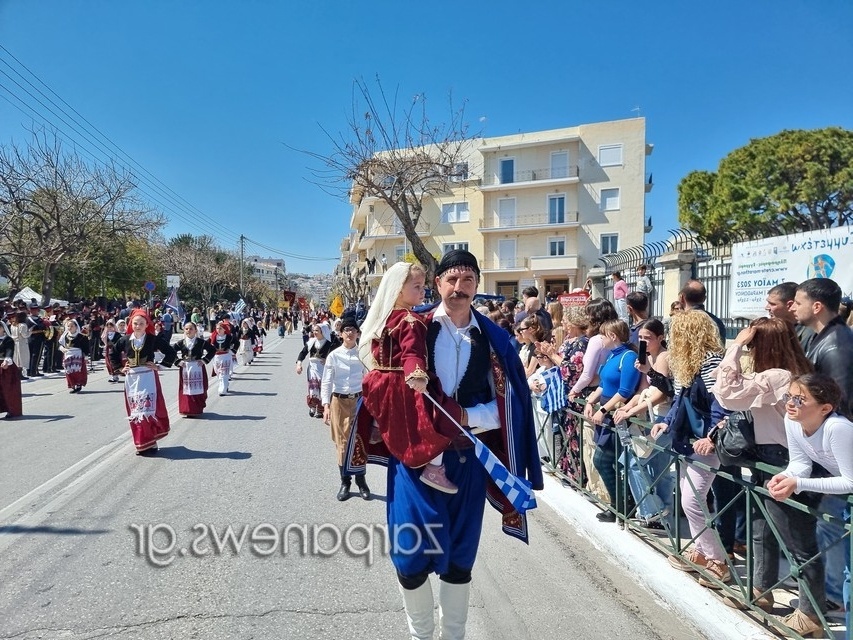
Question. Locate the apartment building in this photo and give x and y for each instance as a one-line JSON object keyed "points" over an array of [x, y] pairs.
{"points": [[537, 208], [270, 271]]}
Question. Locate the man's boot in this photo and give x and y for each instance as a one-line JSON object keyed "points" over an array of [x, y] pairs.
{"points": [[452, 610], [363, 489], [419, 611], [346, 483]]}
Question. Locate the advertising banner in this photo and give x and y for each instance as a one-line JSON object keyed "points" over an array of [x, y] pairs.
{"points": [[759, 265]]}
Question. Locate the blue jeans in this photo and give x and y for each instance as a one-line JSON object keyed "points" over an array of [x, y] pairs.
{"points": [[642, 474], [836, 557]]}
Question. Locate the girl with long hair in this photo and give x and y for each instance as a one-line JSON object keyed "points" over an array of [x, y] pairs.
{"points": [[754, 376], [695, 352]]}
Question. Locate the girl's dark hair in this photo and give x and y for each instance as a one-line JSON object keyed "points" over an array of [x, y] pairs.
{"points": [[655, 326], [599, 311], [823, 388], [776, 346], [532, 321]]}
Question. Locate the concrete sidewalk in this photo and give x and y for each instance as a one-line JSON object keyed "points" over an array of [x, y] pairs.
{"points": [[699, 607]]}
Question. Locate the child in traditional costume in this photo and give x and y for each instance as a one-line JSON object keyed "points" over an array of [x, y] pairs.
{"points": [[134, 355], [74, 347], [394, 349], [195, 353], [10, 376], [224, 346]]}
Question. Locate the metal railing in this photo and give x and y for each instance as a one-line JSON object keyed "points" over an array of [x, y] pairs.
{"points": [[533, 175], [516, 262], [563, 440], [494, 221]]}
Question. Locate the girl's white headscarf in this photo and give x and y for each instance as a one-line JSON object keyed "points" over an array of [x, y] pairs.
{"points": [[65, 333], [383, 304], [327, 335]]}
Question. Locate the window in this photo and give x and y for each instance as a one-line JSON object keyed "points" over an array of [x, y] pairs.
{"points": [[609, 243], [556, 209], [455, 212], [610, 155], [560, 164], [507, 170], [452, 246], [610, 199], [460, 172], [400, 252], [557, 246]]}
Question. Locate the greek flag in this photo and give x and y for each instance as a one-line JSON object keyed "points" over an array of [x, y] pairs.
{"points": [[238, 308], [517, 490], [554, 397]]}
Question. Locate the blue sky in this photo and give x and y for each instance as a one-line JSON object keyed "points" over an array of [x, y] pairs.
{"points": [[206, 95]]}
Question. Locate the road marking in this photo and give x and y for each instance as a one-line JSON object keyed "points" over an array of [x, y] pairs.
{"points": [[97, 462]]}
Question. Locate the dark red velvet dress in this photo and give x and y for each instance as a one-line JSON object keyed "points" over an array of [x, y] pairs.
{"points": [[407, 420]]}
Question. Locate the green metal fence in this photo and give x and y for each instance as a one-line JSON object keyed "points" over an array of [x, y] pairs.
{"points": [[739, 590]]}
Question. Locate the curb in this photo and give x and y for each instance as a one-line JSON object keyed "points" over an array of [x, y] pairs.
{"points": [[704, 612]]}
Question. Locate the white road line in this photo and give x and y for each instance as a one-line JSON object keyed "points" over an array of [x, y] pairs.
{"points": [[97, 462]]}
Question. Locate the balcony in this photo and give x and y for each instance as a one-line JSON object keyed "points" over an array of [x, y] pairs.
{"points": [[560, 264], [378, 232], [529, 221], [515, 263], [649, 182], [532, 178]]}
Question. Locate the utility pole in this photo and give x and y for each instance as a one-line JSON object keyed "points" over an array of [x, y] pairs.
{"points": [[242, 265]]}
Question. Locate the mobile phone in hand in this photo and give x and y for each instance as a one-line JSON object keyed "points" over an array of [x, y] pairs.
{"points": [[641, 357]]}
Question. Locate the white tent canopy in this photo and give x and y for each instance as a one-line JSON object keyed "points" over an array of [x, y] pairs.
{"points": [[26, 294]]}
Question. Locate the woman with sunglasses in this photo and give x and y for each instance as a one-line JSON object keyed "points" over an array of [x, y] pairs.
{"points": [[819, 440], [529, 333]]}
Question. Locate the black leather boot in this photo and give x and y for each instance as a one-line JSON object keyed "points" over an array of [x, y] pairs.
{"points": [[346, 484], [363, 489]]}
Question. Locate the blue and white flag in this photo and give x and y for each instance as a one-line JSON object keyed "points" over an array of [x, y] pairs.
{"points": [[173, 303], [517, 490], [554, 397], [238, 308]]}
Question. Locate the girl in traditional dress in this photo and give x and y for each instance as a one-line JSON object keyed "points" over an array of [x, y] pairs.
{"points": [[224, 347], [393, 347], [245, 354], [260, 334], [134, 355], [74, 347], [110, 337], [20, 332], [10, 376], [194, 353], [316, 349]]}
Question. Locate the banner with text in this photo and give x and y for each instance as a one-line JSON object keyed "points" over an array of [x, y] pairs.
{"points": [[759, 265]]}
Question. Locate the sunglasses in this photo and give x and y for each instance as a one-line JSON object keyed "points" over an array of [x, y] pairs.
{"points": [[797, 401]]}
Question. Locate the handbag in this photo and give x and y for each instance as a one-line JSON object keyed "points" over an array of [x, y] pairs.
{"points": [[734, 440]]}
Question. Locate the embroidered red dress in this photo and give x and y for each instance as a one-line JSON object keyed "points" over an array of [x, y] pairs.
{"points": [[407, 420]]}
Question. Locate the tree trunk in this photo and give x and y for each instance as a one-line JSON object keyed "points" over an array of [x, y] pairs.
{"points": [[47, 282]]}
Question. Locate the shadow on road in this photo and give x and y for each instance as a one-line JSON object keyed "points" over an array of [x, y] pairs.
{"points": [[61, 531], [51, 418], [222, 416], [182, 453], [231, 392]]}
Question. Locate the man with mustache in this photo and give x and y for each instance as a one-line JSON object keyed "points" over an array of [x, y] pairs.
{"points": [[481, 379]]}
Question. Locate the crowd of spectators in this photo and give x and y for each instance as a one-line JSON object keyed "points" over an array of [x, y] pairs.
{"points": [[685, 384]]}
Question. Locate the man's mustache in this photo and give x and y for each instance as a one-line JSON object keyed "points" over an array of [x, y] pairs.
{"points": [[459, 294]]}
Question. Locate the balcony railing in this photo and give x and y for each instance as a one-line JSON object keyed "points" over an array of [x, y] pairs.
{"points": [[534, 175], [516, 262], [494, 221], [383, 230]]}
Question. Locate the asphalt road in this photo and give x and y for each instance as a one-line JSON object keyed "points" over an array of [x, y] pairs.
{"points": [[233, 531]]}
